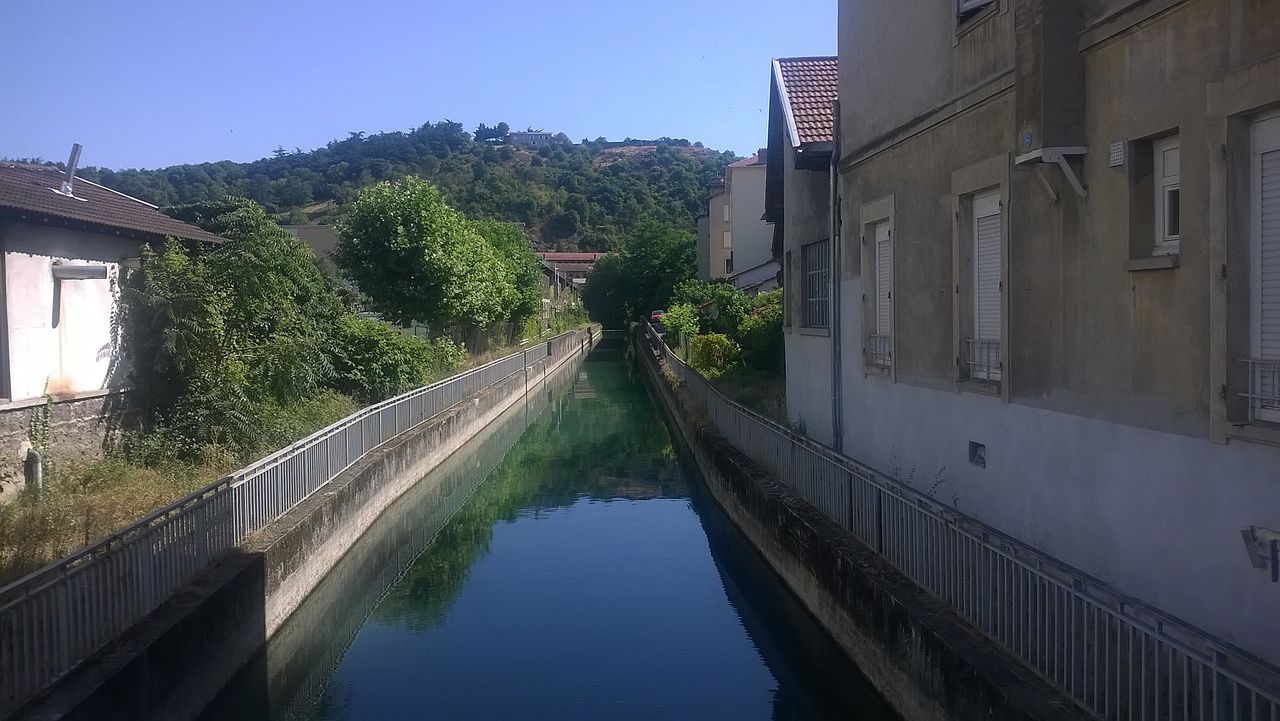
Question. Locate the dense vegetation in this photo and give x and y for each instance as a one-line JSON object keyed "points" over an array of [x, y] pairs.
{"points": [[640, 276], [229, 346], [567, 195], [723, 329]]}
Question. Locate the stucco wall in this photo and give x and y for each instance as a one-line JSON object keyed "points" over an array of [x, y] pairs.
{"points": [[1102, 451], [808, 351], [59, 332], [752, 237]]}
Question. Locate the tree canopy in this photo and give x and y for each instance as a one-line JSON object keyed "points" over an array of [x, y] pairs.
{"points": [[641, 276], [583, 196], [420, 260]]}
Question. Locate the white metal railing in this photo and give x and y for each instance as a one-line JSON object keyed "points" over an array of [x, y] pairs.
{"points": [[1264, 389], [55, 618], [1114, 656], [983, 359], [878, 355]]}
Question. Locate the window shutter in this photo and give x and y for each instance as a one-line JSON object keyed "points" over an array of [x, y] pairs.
{"points": [[884, 280], [986, 263], [1269, 254]]}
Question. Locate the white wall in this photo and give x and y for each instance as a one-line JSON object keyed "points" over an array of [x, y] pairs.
{"points": [[1156, 515], [809, 383], [72, 352], [752, 237]]}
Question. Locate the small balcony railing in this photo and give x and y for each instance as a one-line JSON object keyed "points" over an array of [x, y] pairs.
{"points": [[1264, 389], [983, 359], [878, 351]]}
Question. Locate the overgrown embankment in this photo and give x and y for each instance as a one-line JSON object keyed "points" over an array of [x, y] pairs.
{"points": [[235, 351]]}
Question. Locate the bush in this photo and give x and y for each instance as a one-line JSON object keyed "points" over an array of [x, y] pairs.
{"points": [[681, 319], [375, 360], [760, 334], [713, 354]]}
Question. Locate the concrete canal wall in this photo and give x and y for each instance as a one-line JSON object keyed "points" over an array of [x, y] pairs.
{"points": [[923, 659], [172, 664]]}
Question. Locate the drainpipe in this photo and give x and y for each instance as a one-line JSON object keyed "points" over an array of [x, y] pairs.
{"points": [[837, 381]]}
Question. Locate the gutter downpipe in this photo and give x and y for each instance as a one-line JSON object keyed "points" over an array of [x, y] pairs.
{"points": [[837, 386]]}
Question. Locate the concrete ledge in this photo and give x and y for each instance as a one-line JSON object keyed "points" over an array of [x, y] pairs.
{"points": [[926, 662], [173, 663]]}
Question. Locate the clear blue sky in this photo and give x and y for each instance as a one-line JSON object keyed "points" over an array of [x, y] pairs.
{"points": [[149, 83]]}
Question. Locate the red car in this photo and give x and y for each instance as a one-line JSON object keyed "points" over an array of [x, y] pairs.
{"points": [[656, 316]]}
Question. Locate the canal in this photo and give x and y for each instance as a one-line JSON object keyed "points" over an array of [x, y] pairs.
{"points": [[563, 566]]}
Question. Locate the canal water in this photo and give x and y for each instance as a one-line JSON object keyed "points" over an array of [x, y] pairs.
{"points": [[564, 566]]}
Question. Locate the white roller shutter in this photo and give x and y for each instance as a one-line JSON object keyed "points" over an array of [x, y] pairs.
{"points": [[986, 267], [884, 280], [1266, 262]]}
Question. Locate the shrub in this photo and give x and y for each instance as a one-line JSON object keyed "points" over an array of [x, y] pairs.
{"points": [[713, 354], [760, 334], [375, 360], [682, 318]]}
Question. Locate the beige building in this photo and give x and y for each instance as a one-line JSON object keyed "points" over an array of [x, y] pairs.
{"points": [[715, 237], [752, 236], [1028, 315]]}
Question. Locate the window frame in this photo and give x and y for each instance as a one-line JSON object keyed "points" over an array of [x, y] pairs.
{"points": [[976, 344], [815, 277], [726, 239], [1164, 242], [725, 213], [1260, 368]]}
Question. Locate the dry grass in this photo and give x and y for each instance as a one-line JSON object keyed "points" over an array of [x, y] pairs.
{"points": [[85, 501]]}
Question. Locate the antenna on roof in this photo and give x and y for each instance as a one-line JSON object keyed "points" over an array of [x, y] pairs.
{"points": [[68, 182]]}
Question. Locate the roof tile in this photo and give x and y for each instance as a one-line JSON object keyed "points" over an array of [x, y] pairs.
{"points": [[29, 189], [810, 86]]}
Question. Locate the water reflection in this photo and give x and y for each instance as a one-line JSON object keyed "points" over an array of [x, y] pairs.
{"points": [[584, 578]]}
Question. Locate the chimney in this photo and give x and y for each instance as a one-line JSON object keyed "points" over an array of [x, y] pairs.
{"points": [[68, 182], [762, 156]]}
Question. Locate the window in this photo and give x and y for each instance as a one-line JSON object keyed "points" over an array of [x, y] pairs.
{"points": [[1166, 161], [728, 264], [966, 9], [726, 212], [727, 239], [982, 350], [815, 260], [1264, 233], [788, 283], [879, 341]]}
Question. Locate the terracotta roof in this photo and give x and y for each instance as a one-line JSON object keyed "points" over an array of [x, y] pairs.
{"points": [[27, 189], [809, 86]]}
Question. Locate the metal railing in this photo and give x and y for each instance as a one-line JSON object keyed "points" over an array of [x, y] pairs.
{"points": [[878, 354], [983, 359], [1114, 656], [1264, 389], [55, 618]]}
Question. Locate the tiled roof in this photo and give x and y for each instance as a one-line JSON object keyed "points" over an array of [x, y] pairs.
{"points": [[27, 189], [809, 86]]}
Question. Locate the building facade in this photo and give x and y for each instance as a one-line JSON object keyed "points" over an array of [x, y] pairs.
{"points": [[752, 236], [715, 235], [798, 203], [1028, 316]]}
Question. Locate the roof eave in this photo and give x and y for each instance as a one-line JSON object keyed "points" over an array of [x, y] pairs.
{"points": [[792, 134]]}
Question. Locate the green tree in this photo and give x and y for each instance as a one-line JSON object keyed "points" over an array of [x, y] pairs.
{"points": [[514, 250], [651, 260], [418, 259]]}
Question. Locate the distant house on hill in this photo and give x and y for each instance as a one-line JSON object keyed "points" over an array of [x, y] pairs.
{"points": [[530, 139], [63, 244]]}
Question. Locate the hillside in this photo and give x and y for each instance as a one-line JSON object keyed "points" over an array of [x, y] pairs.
{"points": [[568, 196]]}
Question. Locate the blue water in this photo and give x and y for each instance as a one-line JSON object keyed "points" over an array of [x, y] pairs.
{"points": [[566, 567]]}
